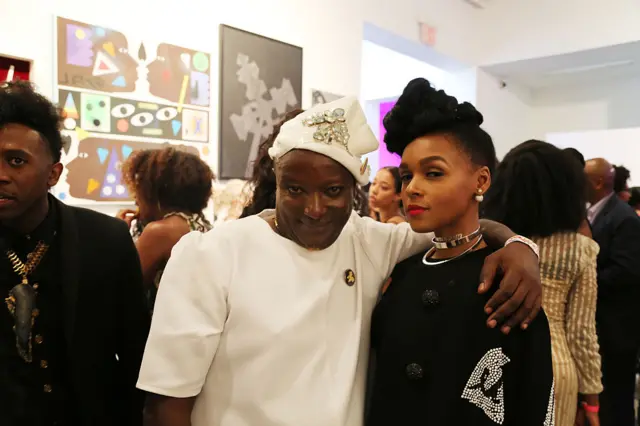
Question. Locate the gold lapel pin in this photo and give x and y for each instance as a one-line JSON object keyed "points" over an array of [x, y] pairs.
{"points": [[349, 277]]}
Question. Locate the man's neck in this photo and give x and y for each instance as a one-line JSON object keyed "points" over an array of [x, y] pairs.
{"points": [[30, 219]]}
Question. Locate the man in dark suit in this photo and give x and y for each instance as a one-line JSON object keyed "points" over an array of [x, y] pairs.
{"points": [[73, 330], [616, 228]]}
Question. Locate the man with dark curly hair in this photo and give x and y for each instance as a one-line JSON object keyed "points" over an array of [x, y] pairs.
{"points": [[75, 323]]}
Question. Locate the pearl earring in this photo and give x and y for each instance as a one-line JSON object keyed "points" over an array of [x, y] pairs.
{"points": [[479, 197]]}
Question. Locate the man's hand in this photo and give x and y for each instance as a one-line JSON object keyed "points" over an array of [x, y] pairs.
{"points": [[519, 298]]}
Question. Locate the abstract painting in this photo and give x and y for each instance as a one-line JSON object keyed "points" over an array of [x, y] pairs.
{"points": [[320, 97], [94, 173], [119, 116], [260, 81], [122, 92]]}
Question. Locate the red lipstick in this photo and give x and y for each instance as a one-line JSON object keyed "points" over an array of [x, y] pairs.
{"points": [[413, 210]]}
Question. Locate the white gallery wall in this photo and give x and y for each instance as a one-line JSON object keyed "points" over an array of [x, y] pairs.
{"points": [[523, 29], [507, 112], [607, 104], [618, 146]]}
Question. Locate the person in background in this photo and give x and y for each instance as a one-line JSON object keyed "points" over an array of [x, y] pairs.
{"points": [[616, 229], [74, 322], [265, 320], [385, 195], [539, 192], [585, 226], [171, 189], [263, 178], [621, 182], [634, 199], [435, 361]]}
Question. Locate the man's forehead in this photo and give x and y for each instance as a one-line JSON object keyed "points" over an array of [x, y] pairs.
{"points": [[20, 137]]}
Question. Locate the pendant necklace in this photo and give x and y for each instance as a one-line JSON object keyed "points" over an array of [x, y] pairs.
{"points": [[22, 298]]}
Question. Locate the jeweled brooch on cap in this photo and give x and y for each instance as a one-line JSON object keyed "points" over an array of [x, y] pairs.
{"points": [[331, 127]]}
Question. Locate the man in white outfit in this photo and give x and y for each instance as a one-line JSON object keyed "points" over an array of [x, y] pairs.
{"points": [[264, 321]]}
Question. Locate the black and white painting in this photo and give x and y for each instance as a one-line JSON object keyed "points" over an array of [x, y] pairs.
{"points": [[260, 81], [321, 97]]}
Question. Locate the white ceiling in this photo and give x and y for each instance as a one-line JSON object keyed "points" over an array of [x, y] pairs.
{"points": [[588, 66]]}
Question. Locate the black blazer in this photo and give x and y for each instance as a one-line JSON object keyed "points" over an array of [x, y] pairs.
{"points": [[106, 317], [617, 230]]}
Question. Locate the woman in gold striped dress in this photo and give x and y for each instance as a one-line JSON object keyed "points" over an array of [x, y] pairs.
{"points": [[538, 191]]}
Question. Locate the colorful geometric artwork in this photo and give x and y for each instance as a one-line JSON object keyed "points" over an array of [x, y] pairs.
{"points": [[121, 92], [95, 173], [103, 59], [119, 116]]}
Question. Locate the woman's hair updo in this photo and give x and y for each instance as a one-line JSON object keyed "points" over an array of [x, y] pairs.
{"points": [[422, 110]]}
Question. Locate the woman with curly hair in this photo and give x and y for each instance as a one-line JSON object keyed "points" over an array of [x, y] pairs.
{"points": [[171, 189]]}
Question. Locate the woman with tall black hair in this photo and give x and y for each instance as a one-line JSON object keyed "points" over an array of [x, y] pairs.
{"points": [[539, 191], [435, 361]]}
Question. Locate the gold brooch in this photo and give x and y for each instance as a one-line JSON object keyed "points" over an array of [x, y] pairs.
{"points": [[349, 277], [331, 127]]}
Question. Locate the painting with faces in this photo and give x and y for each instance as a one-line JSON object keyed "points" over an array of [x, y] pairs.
{"points": [[121, 92]]}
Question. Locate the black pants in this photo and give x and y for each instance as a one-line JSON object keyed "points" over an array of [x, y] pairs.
{"points": [[619, 382]]}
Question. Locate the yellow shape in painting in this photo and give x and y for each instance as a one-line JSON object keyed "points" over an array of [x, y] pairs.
{"points": [[80, 35], [92, 185], [110, 49], [81, 133]]}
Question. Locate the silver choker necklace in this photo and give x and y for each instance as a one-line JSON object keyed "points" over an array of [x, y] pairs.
{"points": [[454, 241], [429, 253]]}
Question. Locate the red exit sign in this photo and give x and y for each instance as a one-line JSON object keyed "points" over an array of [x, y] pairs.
{"points": [[427, 34]]}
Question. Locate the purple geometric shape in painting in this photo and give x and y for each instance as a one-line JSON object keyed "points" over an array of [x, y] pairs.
{"points": [[112, 186], [386, 158], [199, 84], [79, 46]]}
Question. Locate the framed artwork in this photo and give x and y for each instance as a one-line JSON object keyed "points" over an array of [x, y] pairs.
{"points": [[12, 68], [260, 80], [121, 92], [321, 97]]}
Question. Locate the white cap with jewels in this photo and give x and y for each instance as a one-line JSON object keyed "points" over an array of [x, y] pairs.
{"points": [[337, 129]]}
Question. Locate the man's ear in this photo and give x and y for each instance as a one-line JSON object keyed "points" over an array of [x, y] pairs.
{"points": [[54, 174]]}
